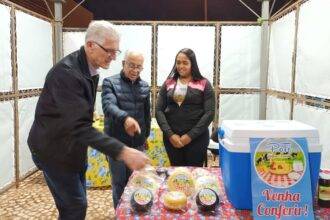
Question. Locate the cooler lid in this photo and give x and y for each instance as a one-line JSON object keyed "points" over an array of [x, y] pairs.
{"points": [[244, 147], [234, 129]]}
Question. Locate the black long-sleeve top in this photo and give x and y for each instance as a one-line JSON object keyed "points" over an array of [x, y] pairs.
{"points": [[195, 113]]}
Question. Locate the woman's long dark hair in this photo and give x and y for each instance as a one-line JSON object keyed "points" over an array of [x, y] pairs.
{"points": [[195, 73]]}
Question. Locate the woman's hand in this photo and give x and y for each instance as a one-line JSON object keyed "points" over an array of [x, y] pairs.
{"points": [[185, 139], [175, 141]]}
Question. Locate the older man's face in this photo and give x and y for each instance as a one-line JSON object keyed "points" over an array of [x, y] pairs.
{"points": [[103, 54], [133, 65]]}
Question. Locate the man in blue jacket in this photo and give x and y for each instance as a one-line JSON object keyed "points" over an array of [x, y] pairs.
{"points": [[126, 107], [62, 129]]}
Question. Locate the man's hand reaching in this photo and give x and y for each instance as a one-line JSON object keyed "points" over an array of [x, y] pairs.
{"points": [[134, 159], [132, 127]]}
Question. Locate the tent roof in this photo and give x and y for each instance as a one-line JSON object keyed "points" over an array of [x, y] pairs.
{"points": [[159, 10], [177, 10]]}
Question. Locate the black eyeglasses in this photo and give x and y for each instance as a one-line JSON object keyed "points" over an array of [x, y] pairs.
{"points": [[108, 51]]}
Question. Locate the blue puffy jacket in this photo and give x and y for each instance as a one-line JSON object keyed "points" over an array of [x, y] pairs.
{"points": [[122, 98]]}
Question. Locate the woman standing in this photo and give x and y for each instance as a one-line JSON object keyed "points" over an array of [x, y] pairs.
{"points": [[185, 109]]}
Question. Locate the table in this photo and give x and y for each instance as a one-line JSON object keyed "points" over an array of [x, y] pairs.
{"points": [[225, 211], [156, 150], [97, 173]]}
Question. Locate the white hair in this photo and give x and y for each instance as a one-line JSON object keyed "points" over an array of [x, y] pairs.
{"points": [[132, 52], [99, 30]]}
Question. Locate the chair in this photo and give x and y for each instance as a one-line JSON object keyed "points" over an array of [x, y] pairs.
{"points": [[214, 148]]}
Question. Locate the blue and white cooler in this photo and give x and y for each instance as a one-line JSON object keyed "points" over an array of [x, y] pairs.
{"points": [[234, 153]]}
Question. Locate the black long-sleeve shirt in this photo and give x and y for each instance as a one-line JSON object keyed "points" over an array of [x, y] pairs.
{"points": [[195, 113], [62, 129]]}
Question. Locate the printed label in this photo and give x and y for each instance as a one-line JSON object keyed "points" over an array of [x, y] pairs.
{"points": [[324, 193], [142, 196], [207, 197], [279, 158]]}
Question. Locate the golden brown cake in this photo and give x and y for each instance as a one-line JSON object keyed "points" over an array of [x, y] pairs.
{"points": [[181, 180], [175, 200]]}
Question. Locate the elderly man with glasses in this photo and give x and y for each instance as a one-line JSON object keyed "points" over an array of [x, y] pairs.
{"points": [[126, 107], [62, 129]]}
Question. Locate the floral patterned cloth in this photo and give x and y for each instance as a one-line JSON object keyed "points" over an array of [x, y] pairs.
{"points": [[98, 174], [156, 150]]}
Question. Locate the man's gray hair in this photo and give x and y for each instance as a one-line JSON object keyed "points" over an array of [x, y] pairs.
{"points": [[99, 30], [132, 51]]}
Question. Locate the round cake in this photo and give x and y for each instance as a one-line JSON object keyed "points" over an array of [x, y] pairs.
{"points": [[144, 181], [175, 200], [199, 172], [207, 182], [181, 180], [141, 200], [207, 200]]}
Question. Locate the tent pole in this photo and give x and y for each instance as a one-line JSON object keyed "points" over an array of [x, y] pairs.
{"points": [[58, 25], [13, 39], [264, 58], [294, 61]]}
